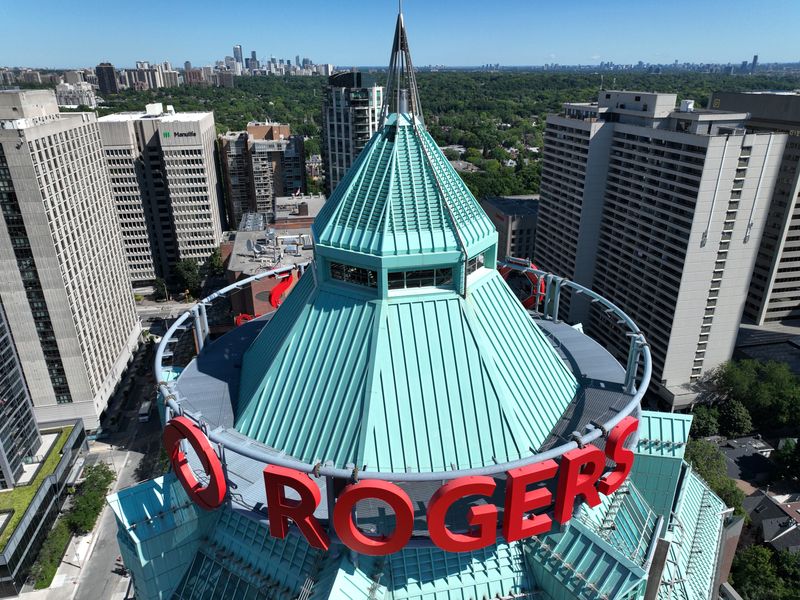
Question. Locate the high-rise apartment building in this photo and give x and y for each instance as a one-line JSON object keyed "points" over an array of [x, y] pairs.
{"points": [[660, 210], [259, 164], [350, 115], [63, 279], [165, 186], [106, 78], [774, 293], [19, 437], [514, 217]]}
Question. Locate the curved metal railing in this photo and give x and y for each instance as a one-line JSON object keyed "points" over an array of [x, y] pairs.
{"points": [[639, 353]]}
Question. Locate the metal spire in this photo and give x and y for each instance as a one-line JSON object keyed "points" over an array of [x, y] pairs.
{"points": [[401, 95]]}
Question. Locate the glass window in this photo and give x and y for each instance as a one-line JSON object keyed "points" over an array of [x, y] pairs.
{"points": [[474, 263], [355, 275]]}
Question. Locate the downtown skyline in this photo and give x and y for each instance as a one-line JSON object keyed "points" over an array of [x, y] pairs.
{"points": [[625, 34]]}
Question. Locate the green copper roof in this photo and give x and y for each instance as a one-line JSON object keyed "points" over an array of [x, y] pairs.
{"points": [[659, 457], [402, 197], [420, 382], [694, 533]]}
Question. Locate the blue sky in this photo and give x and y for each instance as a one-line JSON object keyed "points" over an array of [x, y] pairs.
{"points": [[448, 32]]}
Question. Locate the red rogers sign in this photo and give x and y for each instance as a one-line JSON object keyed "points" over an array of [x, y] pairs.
{"points": [[579, 477]]}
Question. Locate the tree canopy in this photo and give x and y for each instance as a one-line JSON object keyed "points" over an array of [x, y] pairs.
{"points": [[709, 463]]}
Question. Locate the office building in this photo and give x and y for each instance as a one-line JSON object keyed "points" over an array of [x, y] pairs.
{"points": [[253, 60], [661, 210], [350, 115], [63, 278], [774, 293], [237, 55], [514, 217], [106, 78], [164, 181], [74, 95], [19, 437], [402, 360], [258, 164]]}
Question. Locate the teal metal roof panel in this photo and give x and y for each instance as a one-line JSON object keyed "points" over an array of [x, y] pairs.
{"points": [[432, 574], [420, 382], [340, 579], [656, 477], [695, 530], [577, 563], [398, 197], [663, 434], [624, 520], [539, 384], [309, 391]]}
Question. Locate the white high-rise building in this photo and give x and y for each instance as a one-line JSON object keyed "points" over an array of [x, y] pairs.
{"points": [[350, 115], [661, 210], [165, 185], [78, 94], [63, 279]]}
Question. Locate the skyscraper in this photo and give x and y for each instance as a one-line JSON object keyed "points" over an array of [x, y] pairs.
{"points": [[754, 64], [106, 78], [63, 281], [237, 54], [661, 210], [253, 60], [164, 181], [350, 115], [774, 293], [19, 436]]}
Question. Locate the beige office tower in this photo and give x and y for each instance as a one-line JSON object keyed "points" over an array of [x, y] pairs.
{"points": [[63, 280], [165, 186], [661, 210], [774, 294]]}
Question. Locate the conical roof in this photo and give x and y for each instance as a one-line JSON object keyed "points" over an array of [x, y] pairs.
{"points": [[402, 197], [402, 348]]}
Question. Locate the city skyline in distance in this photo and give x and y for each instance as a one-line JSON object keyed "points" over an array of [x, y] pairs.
{"points": [[520, 34]]}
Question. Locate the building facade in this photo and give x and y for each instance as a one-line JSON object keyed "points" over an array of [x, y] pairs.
{"points": [[164, 180], [63, 274], [350, 116], [661, 210], [774, 293], [77, 94], [259, 164], [19, 437], [107, 78], [514, 217]]}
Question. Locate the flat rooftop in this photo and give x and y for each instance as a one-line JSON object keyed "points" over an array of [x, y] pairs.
{"points": [[515, 205], [260, 250], [178, 117]]}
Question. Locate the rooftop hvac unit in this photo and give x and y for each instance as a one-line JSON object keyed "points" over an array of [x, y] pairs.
{"points": [[687, 105]]}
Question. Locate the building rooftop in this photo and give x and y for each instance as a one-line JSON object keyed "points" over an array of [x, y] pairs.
{"points": [[527, 204], [260, 250]]}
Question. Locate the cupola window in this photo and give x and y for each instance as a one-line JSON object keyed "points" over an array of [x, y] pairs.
{"points": [[417, 278], [356, 275]]}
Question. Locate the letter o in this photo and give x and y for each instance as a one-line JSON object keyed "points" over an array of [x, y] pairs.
{"points": [[359, 541], [207, 497]]}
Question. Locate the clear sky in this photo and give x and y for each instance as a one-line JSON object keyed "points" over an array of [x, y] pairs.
{"points": [[58, 33]]}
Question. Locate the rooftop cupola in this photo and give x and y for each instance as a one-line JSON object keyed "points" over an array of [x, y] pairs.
{"points": [[402, 206]]}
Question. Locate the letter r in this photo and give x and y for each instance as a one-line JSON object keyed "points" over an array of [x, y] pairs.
{"points": [[281, 509]]}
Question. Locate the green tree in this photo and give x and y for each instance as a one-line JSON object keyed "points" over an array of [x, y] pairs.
{"points": [[734, 420], [188, 275], [705, 422], [160, 287], [755, 575], [214, 267], [787, 460]]}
